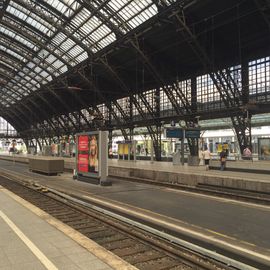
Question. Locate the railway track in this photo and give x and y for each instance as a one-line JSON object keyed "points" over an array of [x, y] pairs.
{"points": [[141, 249]]}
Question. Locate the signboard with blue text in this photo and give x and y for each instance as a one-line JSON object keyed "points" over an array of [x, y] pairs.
{"points": [[179, 133]]}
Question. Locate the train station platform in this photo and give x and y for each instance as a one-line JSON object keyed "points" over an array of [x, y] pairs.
{"points": [[242, 174], [32, 239], [222, 225]]}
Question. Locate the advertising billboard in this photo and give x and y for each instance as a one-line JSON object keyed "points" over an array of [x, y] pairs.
{"points": [[83, 163], [91, 156], [87, 157], [83, 143], [264, 148], [93, 153]]}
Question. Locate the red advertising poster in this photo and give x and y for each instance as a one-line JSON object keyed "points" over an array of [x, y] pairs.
{"points": [[83, 143], [83, 163]]}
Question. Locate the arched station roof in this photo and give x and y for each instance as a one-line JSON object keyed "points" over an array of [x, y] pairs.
{"points": [[112, 48]]}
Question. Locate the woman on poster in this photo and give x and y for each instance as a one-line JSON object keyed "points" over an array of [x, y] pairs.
{"points": [[93, 154]]}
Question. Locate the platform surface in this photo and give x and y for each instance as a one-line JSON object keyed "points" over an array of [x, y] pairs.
{"points": [[198, 170], [240, 225], [28, 242], [169, 167]]}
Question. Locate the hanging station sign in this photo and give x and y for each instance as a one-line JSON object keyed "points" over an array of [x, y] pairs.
{"points": [[179, 133]]}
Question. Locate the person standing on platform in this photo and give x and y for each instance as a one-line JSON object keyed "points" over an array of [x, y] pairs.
{"points": [[223, 157], [206, 157], [146, 151], [247, 153]]}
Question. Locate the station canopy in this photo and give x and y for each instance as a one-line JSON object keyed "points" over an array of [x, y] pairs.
{"points": [[40, 40], [112, 50]]}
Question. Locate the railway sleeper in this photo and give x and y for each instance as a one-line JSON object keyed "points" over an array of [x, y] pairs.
{"points": [[159, 264], [143, 256], [119, 244], [130, 252]]}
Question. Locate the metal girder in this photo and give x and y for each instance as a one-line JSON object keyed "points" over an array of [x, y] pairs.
{"points": [[41, 97], [95, 88], [78, 98], [12, 120], [160, 81], [28, 36], [41, 45], [120, 109], [24, 48], [122, 84], [28, 26], [135, 44], [26, 56], [264, 8], [77, 41], [156, 75], [50, 8], [123, 131], [25, 106], [102, 17], [48, 19], [220, 80], [148, 106], [160, 4], [2, 11], [44, 100], [155, 133], [132, 98]]}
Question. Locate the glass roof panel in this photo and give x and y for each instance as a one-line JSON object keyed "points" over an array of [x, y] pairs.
{"points": [[9, 66], [5, 72], [29, 17], [18, 37], [54, 35], [67, 45], [8, 61], [133, 13], [82, 57], [67, 7], [15, 47], [107, 40], [14, 54], [63, 69], [91, 30], [57, 64]]}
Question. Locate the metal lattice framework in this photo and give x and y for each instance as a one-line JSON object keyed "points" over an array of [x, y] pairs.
{"points": [[71, 65]]}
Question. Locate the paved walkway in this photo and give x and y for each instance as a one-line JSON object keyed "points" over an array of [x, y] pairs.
{"points": [[169, 167], [28, 242], [190, 175], [197, 170], [223, 224]]}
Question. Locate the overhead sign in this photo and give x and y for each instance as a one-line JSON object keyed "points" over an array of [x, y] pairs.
{"points": [[174, 133], [179, 133], [192, 133]]}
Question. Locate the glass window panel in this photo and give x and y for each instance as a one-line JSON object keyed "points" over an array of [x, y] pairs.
{"points": [[82, 57], [67, 7]]}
